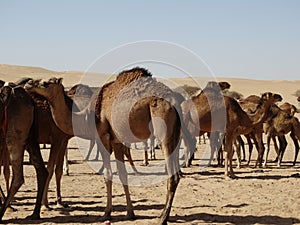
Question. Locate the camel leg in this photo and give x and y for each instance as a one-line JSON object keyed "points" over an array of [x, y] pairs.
{"points": [[118, 149], [59, 172], [213, 146], [128, 156], [295, 140], [228, 155], [36, 159], [66, 163], [105, 150], [242, 144], [92, 144], [283, 145], [260, 147], [250, 144], [172, 183], [50, 168], [238, 151], [277, 149], [267, 152], [152, 149], [16, 158], [146, 161]]}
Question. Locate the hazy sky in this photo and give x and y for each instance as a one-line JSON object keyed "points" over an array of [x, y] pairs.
{"points": [[251, 39]]}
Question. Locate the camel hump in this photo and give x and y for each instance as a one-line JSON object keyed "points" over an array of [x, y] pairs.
{"points": [[135, 73]]}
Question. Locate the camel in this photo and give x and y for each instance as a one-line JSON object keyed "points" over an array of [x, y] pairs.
{"points": [[298, 99], [81, 95], [215, 142], [20, 131], [4, 156], [133, 102], [215, 112], [249, 105], [49, 133], [289, 108], [282, 123]]}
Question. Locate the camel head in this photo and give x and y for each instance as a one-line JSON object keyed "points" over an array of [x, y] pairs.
{"points": [[2, 83], [224, 85], [48, 88], [219, 86], [271, 97]]}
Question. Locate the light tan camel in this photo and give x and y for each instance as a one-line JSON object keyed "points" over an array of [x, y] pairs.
{"points": [[282, 123], [133, 102], [20, 131], [215, 112]]}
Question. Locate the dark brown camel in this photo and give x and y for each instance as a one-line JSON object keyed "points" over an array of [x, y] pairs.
{"points": [[20, 132], [49, 133], [249, 105], [129, 86], [282, 123], [4, 156], [211, 111]]}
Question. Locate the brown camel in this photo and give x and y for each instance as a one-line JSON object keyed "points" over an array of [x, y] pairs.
{"points": [[193, 126], [215, 112], [133, 102], [81, 95], [20, 131], [4, 156], [282, 123], [289, 108], [249, 105], [49, 133]]}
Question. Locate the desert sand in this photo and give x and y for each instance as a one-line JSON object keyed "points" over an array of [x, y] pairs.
{"points": [[259, 196]]}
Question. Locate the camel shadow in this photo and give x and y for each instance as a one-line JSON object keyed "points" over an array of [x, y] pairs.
{"points": [[233, 219]]}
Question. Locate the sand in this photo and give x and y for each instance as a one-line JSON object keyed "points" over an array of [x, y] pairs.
{"points": [[258, 196]]}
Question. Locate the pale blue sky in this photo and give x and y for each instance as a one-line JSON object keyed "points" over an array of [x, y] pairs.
{"points": [[257, 39]]}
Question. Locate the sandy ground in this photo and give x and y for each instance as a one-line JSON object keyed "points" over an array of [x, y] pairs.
{"points": [[267, 196], [258, 196]]}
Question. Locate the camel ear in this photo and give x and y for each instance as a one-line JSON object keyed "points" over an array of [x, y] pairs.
{"points": [[59, 80]]}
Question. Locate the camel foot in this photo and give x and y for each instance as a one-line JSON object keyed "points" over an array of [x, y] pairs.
{"points": [[144, 164], [162, 221], [11, 209], [46, 208], [33, 216], [62, 205], [231, 177], [130, 215], [105, 217]]}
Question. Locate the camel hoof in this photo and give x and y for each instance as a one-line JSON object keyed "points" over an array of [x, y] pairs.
{"points": [[46, 208], [144, 164], [62, 205], [105, 217], [11, 209], [66, 173], [162, 221], [33, 217], [130, 216]]}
